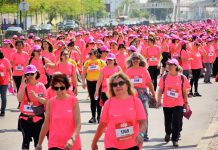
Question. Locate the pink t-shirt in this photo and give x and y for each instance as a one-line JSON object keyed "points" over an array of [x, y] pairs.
{"points": [[39, 89], [215, 45], [165, 48], [19, 61], [107, 73], [121, 115], [67, 69], [173, 90], [210, 54], [121, 60], [75, 55], [139, 76], [186, 65], [196, 63], [153, 55], [51, 58], [40, 67], [7, 52], [5, 66], [62, 123], [57, 54]]}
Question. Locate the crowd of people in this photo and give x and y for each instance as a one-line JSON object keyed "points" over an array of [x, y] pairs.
{"points": [[120, 68]]}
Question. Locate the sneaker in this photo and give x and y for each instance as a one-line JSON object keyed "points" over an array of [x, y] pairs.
{"points": [[2, 114], [190, 94], [197, 94], [146, 138], [175, 144], [92, 120], [167, 138]]}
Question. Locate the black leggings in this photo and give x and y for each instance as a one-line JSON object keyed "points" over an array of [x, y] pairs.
{"points": [[91, 85], [195, 77], [104, 97], [132, 148], [30, 129], [17, 80], [215, 67], [153, 71]]}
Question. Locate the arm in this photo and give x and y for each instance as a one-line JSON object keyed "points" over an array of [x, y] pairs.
{"points": [[151, 89], [98, 134], [49, 63], [74, 77], [21, 92], [99, 82], [84, 77], [159, 96], [44, 128]]}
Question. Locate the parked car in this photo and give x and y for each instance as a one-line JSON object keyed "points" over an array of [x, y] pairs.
{"points": [[13, 31], [60, 26], [45, 28], [33, 29]]}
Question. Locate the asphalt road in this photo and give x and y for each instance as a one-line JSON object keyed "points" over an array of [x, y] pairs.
{"points": [[203, 110]]}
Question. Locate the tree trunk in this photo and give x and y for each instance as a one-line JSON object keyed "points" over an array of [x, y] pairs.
{"points": [[36, 17]]}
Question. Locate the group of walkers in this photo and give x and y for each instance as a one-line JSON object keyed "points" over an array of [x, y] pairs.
{"points": [[119, 68]]}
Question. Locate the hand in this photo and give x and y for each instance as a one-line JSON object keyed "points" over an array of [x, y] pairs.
{"points": [[75, 91], [158, 66], [139, 140], [159, 104], [96, 93], [187, 108], [38, 147], [94, 146], [84, 85], [69, 144]]}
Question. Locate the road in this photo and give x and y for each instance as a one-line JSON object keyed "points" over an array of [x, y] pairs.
{"points": [[203, 110]]}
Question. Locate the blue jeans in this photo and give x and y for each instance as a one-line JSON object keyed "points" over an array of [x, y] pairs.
{"points": [[3, 92]]}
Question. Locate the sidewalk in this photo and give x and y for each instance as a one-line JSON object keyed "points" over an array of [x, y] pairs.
{"points": [[210, 139]]}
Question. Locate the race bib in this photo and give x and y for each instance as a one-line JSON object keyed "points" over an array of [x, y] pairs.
{"points": [[19, 68], [136, 80], [93, 67], [124, 131], [173, 93], [198, 55], [27, 108], [211, 54], [2, 74], [153, 59]]}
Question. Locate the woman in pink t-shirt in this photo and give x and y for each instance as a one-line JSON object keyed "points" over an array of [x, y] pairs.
{"points": [[175, 93], [123, 117], [104, 52], [121, 56], [8, 49], [140, 78], [105, 74], [62, 118]]}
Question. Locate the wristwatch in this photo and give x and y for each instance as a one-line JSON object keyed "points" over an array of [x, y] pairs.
{"points": [[72, 138], [141, 134]]}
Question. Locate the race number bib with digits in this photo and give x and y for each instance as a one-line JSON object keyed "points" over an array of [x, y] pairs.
{"points": [[173, 93], [124, 131], [27, 108], [93, 67], [153, 59], [136, 80], [19, 68]]}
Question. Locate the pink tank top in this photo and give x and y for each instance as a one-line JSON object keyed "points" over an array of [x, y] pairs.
{"points": [[62, 123]]}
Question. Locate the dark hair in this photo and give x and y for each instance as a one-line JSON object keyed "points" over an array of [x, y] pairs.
{"points": [[183, 47], [57, 78], [50, 46], [71, 44], [173, 41], [63, 53], [152, 39], [37, 75], [1, 55], [19, 41], [121, 46]]}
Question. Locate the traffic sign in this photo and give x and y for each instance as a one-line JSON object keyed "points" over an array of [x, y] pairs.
{"points": [[24, 6]]}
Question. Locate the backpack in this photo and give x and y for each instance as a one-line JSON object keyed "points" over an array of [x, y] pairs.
{"points": [[164, 82], [2, 73]]}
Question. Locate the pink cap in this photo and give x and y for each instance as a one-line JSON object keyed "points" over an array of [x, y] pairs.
{"points": [[31, 35], [36, 48], [113, 41], [100, 42], [22, 37], [37, 38], [104, 48], [173, 61], [30, 69], [91, 41], [49, 35], [183, 42], [78, 34], [7, 41], [60, 43], [132, 48], [15, 37], [111, 56]]}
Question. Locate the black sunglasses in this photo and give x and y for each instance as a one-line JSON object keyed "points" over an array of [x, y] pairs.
{"points": [[57, 88], [135, 58], [93, 53], [120, 83], [29, 74]]}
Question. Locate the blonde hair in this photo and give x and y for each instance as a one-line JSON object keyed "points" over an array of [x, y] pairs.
{"points": [[142, 63], [123, 76]]}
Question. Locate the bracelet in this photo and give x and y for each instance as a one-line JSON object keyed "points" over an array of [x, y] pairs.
{"points": [[72, 138], [141, 134]]}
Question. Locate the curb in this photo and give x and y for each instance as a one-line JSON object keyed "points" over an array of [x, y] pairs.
{"points": [[210, 133]]}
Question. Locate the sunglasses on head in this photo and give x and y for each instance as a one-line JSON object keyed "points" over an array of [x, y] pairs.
{"points": [[93, 53], [171, 64], [57, 88], [65, 54], [120, 83], [135, 58], [29, 74]]}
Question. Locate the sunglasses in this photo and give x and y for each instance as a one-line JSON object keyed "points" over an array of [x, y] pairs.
{"points": [[135, 58], [29, 74], [65, 54], [37, 51], [93, 53], [171, 64], [120, 83], [57, 88]]}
